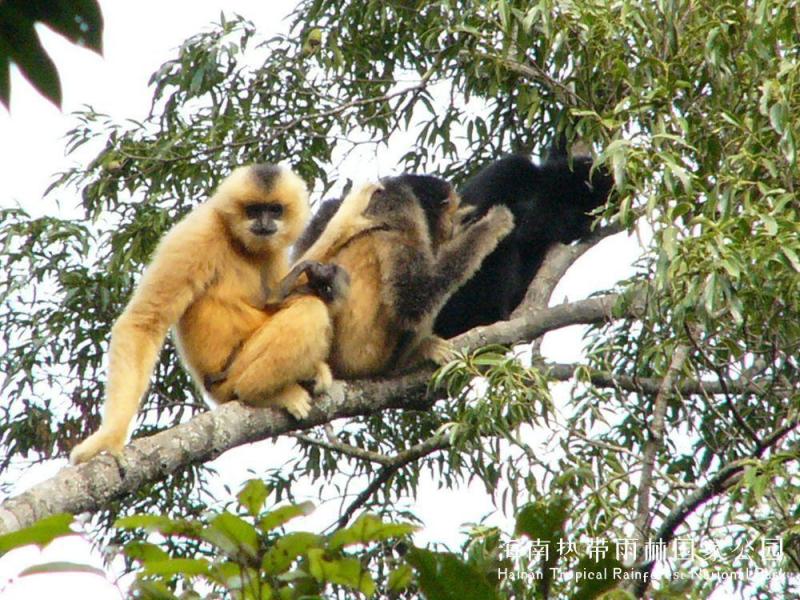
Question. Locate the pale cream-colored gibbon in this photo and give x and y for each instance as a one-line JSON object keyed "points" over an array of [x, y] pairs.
{"points": [[398, 242], [213, 277]]}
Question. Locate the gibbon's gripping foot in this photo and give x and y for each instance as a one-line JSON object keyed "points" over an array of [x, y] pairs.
{"points": [[294, 399], [437, 350], [323, 380], [111, 442]]}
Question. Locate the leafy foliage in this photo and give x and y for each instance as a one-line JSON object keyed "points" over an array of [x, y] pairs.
{"points": [[79, 21], [688, 102]]}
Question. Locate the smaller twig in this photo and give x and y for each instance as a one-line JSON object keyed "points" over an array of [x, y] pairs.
{"points": [[722, 378], [429, 446], [653, 444], [345, 449]]}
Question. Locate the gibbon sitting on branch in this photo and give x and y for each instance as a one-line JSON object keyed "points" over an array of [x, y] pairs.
{"points": [[212, 277], [396, 241]]}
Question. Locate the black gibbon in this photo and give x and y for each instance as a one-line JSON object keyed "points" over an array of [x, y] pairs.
{"points": [[396, 241], [550, 203], [211, 277]]}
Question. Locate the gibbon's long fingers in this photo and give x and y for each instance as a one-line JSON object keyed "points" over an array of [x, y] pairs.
{"points": [[295, 399], [132, 356], [286, 349], [323, 379]]}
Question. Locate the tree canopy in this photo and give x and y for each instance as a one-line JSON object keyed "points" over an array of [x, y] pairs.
{"points": [[678, 444]]}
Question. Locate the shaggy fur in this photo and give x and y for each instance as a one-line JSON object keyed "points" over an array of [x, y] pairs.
{"points": [[396, 241]]}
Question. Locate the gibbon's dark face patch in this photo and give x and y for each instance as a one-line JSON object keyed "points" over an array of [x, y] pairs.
{"points": [[264, 217]]}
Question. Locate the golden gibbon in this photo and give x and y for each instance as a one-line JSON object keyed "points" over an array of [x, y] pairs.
{"points": [[297, 336], [212, 277], [397, 241]]}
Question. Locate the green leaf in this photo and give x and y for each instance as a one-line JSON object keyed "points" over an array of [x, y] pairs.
{"points": [[62, 567], [144, 552], [343, 571], [443, 576], [369, 528], [282, 515], [253, 495], [400, 578], [28, 54], [792, 256], [40, 533], [597, 577], [160, 524], [286, 549], [5, 77], [232, 535], [178, 566], [778, 115], [542, 521]]}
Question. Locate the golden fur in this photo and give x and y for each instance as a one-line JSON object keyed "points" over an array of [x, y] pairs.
{"points": [[211, 277], [402, 269]]}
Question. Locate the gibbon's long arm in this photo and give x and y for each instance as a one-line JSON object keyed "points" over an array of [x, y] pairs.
{"points": [[346, 222], [420, 282], [162, 296]]}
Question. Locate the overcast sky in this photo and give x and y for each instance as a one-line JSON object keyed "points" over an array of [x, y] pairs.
{"points": [[139, 37]]}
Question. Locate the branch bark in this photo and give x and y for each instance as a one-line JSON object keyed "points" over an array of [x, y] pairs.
{"points": [[90, 486]]}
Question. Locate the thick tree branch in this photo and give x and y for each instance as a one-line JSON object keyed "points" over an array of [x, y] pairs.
{"points": [[90, 486]]}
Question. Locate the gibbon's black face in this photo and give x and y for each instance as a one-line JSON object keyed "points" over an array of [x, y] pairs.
{"points": [[264, 217], [329, 282], [263, 207]]}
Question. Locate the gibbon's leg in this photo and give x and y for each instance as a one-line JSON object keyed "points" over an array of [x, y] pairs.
{"points": [[419, 285], [132, 355], [286, 349]]}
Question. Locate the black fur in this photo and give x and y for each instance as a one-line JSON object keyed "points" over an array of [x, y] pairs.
{"points": [[550, 204]]}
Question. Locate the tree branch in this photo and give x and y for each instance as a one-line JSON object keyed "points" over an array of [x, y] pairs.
{"points": [[654, 442], [90, 486], [429, 446], [652, 385]]}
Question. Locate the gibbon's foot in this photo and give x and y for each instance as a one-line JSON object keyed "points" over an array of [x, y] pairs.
{"points": [[437, 350], [323, 379], [295, 399], [102, 440], [212, 379], [502, 219]]}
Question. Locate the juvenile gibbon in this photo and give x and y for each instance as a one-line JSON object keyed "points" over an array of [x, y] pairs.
{"points": [[395, 239], [211, 277], [551, 204]]}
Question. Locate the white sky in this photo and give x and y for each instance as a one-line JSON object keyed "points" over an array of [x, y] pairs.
{"points": [[139, 37]]}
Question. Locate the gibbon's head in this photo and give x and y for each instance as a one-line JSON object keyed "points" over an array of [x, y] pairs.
{"points": [[327, 281], [264, 207], [415, 199]]}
